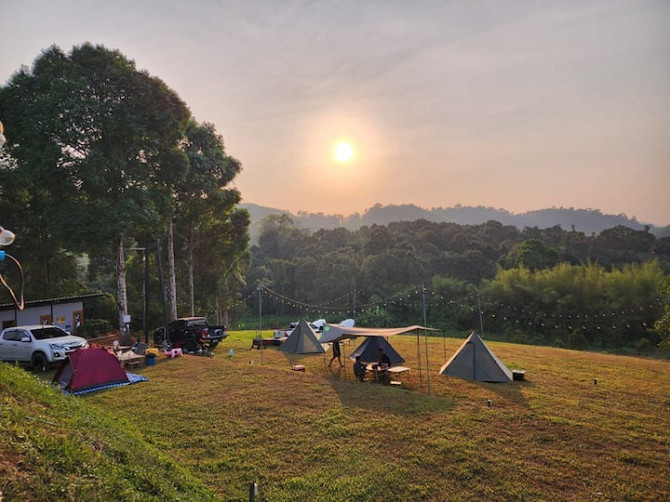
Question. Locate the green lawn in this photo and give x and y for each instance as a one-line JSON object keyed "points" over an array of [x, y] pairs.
{"points": [[320, 435]]}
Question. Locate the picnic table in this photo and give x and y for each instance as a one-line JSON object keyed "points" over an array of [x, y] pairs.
{"points": [[384, 375]]}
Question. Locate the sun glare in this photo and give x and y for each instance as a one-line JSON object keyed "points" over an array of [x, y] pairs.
{"points": [[343, 152]]}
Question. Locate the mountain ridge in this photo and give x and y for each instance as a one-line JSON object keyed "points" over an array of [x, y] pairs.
{"points": [[588, 221]]}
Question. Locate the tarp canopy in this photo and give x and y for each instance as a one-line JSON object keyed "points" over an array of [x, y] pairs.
{"points": [[302, 340], [368, 350], [332, 332], [88, 370], [474, 361]]}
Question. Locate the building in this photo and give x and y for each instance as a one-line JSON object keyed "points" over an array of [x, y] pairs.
{"points": [[67, 313]]}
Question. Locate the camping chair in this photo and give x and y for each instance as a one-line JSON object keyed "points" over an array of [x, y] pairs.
{"points": [[140, 348]]}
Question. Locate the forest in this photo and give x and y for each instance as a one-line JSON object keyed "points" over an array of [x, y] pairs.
{"points": [[533, 285]]}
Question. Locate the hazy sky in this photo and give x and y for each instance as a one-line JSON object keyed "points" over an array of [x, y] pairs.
{"points": [[518, 105]]}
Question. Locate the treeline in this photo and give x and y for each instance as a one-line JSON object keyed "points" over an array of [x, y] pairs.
{"points": [[544, 285]]}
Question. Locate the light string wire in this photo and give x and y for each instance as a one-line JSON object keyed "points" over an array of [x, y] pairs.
{"points": [[497, 311]]}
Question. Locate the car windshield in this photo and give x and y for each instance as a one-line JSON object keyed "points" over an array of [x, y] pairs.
{"points": [[46, 333], [197, 322]]}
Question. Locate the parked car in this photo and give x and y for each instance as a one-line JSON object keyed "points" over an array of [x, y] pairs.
{"points": [[193, 334], [40, 345]]}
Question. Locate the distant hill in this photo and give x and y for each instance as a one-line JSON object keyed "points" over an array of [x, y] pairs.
{"points": [[588, 221]]}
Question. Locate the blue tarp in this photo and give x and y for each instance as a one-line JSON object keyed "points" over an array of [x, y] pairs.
{"points": [[132, 378]]}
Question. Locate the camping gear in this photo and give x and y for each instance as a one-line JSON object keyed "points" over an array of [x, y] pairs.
{"points": [[87, 370], [368, 350], [474, 361], [302, 340]]}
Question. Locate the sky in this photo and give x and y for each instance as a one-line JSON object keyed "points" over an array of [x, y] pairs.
{"points": [[516, 105]]}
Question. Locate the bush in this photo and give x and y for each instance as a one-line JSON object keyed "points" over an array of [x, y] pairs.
{"points": [[94, 327]]}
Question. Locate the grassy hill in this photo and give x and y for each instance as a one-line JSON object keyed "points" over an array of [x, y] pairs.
{"points": [[204, 428]]}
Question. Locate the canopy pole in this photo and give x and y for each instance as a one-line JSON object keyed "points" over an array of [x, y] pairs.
{"points": [[260, 323], [418, 358]]}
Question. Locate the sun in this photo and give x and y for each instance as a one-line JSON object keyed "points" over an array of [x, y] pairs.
{"points": [[343, 152]]}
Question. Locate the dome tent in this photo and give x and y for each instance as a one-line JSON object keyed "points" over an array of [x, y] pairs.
{"points": [[88, 370]]}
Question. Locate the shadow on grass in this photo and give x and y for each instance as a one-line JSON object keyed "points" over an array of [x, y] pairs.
{"points": [[401, 401], [512, 391]]}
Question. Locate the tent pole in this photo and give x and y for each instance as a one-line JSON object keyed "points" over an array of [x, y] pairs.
{"points": [[425, 335], [481, 321]]}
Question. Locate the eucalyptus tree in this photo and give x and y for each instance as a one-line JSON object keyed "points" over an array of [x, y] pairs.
{"points": [[205, 209], [99, 138]]}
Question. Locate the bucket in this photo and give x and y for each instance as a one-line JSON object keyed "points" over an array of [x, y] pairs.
{"points": [[151, 359]]}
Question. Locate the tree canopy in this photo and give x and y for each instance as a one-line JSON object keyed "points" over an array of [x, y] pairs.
{"points": [[100, 154]]}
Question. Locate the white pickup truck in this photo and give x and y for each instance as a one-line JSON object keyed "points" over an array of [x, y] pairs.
{"points": [[38, 345]]}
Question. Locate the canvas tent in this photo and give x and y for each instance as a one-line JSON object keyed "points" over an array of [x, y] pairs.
{"points": [[474, 361], [87, 370], [368, 351], [302, 340]]}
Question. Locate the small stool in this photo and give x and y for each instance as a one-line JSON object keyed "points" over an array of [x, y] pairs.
{"points": [[174, 352]]}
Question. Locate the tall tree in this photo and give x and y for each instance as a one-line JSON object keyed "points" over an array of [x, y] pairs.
{"points": [[205, 204], [103, 139]]}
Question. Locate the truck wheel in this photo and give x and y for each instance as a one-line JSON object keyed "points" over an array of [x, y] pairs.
{"points": [[38, 362]]}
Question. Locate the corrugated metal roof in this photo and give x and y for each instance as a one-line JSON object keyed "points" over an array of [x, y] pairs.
{"points": [[51, 301]]}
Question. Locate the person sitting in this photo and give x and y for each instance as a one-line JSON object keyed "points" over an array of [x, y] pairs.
{"points": [[359, 369], [383, 364], [383, 359]]}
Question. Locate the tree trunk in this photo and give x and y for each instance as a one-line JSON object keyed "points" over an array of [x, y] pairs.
{"points": [[173, 276], [122, 297], [191, 287]]}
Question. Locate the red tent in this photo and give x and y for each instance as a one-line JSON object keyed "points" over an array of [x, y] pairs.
{"points": [[86, 370]]}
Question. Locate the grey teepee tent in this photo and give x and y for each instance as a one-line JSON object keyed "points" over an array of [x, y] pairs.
{"points": [[475, 361], [302, 341]]}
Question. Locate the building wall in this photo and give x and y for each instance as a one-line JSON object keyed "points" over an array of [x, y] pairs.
{"points": [[65, 315]]}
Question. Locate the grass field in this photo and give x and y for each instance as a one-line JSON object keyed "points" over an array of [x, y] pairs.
{"points": [[582, 426]]}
